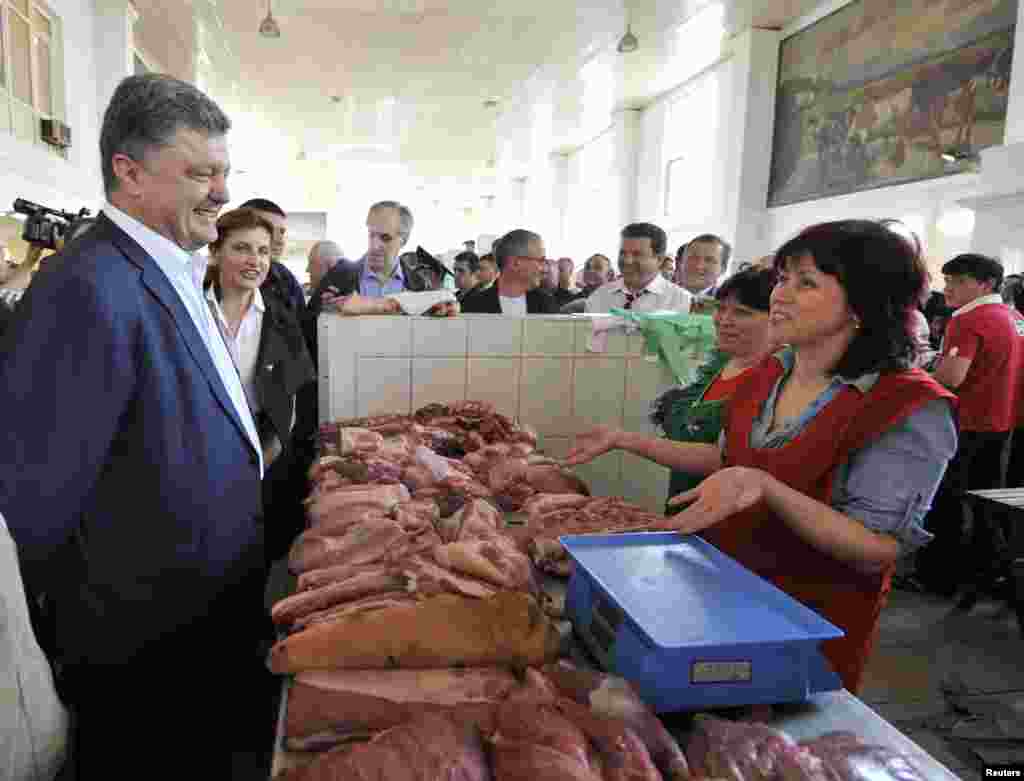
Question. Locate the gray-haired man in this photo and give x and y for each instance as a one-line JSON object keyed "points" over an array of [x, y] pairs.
{"points": [[134, 488]]}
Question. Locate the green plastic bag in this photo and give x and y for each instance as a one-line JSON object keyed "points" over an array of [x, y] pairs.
{"points": [[680, 342]]}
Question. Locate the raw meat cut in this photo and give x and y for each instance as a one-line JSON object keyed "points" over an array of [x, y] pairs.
{"points": [[542, 503], [367, 604], [359, 545], [495, 559], [442, 631], [430, 748], [364, 584], [417, 476], [344, 518], [417, 514], [842, 756], [623, 755], [383, 496], [740, 751], [534, 741], [476, 518], [358, 440], [354, 701], [428, 579], [614, 697]]}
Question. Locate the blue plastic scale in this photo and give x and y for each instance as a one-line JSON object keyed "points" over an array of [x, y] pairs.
{"points": [[689, 626]]}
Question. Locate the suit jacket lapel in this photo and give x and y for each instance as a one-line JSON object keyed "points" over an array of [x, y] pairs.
{"points": [[157, 283]]}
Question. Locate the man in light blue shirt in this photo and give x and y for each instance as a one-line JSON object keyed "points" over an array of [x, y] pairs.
{"points": [[388, 224]]}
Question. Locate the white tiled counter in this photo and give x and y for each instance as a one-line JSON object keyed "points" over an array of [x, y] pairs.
{"points": [[536, 369]]}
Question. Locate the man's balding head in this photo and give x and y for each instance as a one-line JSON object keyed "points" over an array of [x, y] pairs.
{"points": [[322, 257]]}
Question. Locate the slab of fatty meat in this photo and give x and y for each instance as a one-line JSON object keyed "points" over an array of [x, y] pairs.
{"points": [[616, 698], [416, 576], [494, 559], [383, 497], [331, 704], [842, 756], [433, 746], [357, 546], [442, 631], [719, 748], [534, 741], [476, 519]]}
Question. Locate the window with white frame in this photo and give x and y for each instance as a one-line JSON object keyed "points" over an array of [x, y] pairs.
{"points": [[29, 42]]}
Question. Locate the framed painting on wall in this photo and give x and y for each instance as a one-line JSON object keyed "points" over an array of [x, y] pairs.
{"points": [[875, 93]]}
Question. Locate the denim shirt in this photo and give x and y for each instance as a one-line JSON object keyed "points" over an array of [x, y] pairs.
{"points": [[371, 285], [888, 485]]}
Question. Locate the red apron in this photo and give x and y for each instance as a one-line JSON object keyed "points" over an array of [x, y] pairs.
{"points": [[765, 544]]}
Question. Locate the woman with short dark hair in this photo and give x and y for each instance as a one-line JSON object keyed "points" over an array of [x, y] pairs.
{"points": [[695, 413], [269, 351], [832, 448]]}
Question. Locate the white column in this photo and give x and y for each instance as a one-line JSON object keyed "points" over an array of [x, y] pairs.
{"points": [[112, 27], [625, 162], [558, 242], [747, 142]]}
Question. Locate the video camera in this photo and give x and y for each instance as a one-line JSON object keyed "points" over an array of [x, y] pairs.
{"points": [[48, 228]]}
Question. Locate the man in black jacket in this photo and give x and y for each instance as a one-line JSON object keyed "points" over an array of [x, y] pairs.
{"points": [[520, 258]]}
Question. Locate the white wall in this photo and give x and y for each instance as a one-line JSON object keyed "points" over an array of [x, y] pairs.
{"points": [[31, 172], [926, 207]]}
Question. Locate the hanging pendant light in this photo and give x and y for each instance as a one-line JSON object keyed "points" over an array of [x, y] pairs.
{"points": [[628, 42], [269, 28]]}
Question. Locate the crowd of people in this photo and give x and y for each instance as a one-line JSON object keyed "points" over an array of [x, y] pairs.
{"points": [[158, 407]]}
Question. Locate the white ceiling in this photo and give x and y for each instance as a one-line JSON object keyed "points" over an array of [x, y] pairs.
{"points": [[404, 81]]}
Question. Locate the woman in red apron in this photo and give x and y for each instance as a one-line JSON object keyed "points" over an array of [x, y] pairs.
{"points": [[833, 448]]}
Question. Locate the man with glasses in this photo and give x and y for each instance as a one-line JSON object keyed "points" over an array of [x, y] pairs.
{"points": [[519, 255], [642, 287]]}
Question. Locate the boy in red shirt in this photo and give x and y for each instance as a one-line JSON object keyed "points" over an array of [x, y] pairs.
{"points": [[982, 359]]}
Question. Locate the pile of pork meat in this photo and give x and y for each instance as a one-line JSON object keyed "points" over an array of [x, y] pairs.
{"points": [[420, 639]]}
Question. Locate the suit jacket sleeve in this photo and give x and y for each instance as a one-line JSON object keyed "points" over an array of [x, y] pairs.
{"points": [[66, 385]]}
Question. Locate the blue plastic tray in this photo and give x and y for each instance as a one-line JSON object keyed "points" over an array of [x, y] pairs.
{"points": [[690, 626]]}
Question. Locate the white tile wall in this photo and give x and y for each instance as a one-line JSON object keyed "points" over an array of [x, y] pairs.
{"points": [[438, 380], [599, 389], [383, 385], [494, 335], [546, 402], [433, 336], [544, 336], [496, 380], [383, 335]]}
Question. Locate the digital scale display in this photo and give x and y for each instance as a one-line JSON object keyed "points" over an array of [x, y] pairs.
{"points": [[721, 672]]}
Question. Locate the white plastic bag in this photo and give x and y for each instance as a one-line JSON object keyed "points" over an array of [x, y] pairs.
{"points": [[34, 735]]}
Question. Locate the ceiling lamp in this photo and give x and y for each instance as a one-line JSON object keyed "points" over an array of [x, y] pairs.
{"points": [[628, 42], [269, 28]]}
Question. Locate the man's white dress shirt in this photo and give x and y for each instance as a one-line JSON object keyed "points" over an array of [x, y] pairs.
{"points": [[660, 294], [245, 347], [513, 307], [186, 271]]}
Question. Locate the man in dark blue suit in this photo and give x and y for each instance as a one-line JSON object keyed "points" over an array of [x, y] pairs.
{"points": [[132, 477]]}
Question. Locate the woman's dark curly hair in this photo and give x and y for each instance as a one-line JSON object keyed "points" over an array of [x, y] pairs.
{"points": [[883, 276]]}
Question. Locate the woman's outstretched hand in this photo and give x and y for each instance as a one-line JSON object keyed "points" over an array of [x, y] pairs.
{"points": [[725, 493], [591, 444]]}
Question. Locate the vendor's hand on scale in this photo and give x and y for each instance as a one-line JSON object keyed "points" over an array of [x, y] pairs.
{"points": [[821, 461]]}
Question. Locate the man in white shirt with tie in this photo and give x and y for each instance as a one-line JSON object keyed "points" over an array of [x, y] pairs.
{"points": [[642, 288]]}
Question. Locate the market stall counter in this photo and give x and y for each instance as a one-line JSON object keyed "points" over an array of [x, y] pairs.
{"points": [[821, 714]]}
